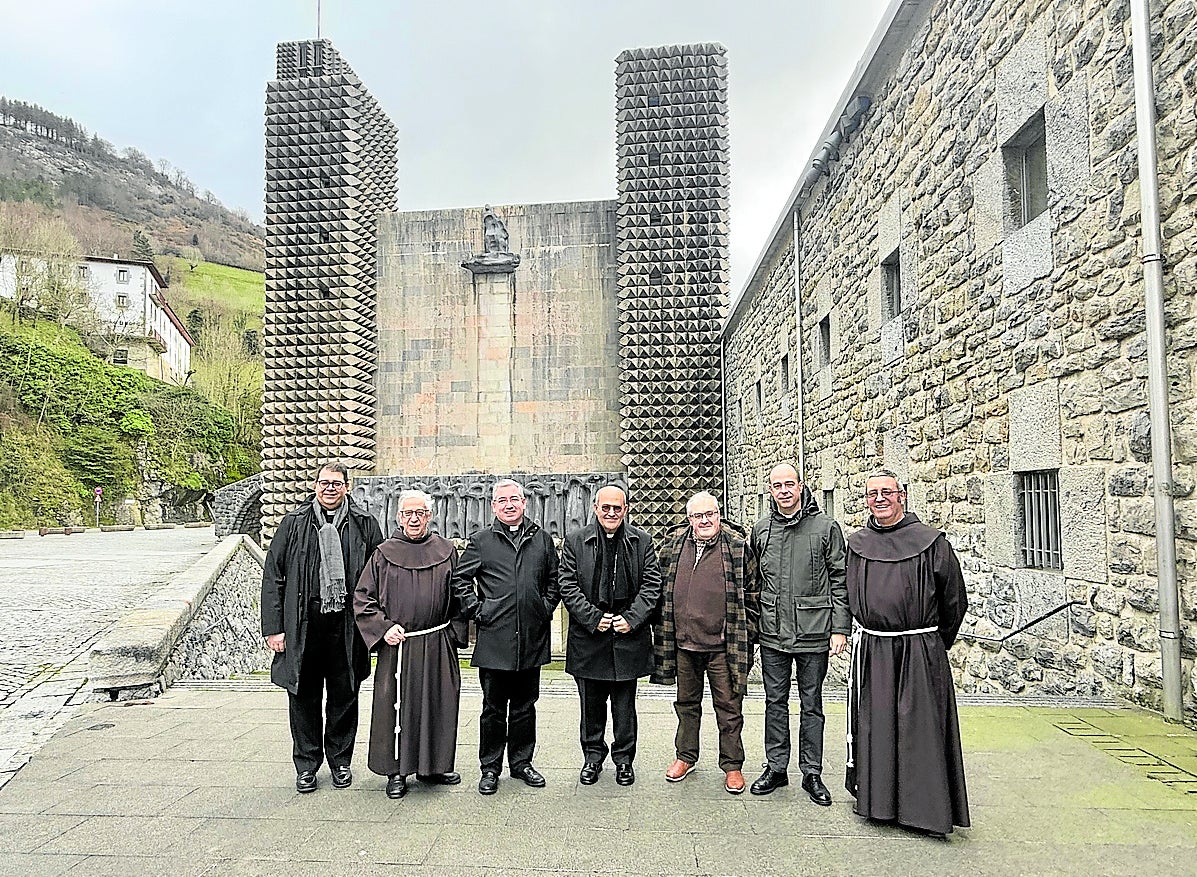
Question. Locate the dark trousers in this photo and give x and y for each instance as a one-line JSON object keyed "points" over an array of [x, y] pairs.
{"points": [[777, 669], [594, 694], [729, 712], [324, 667], [508, 717]]}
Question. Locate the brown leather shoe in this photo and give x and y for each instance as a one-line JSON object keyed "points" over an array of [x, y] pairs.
{"points": [[678, 771], [734, 783]]}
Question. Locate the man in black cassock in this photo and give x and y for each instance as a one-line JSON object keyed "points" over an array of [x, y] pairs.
{"points": [[610, 585], [907, 596], [404, 608], [315, 558]]}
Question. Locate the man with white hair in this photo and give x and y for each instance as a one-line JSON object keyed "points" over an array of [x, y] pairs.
{"points": [[709, 613], [404, 608], [907, 594], [507, 582]]}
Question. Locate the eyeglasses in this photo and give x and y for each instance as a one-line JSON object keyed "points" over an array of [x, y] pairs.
{"points": [[611, 509], [331, 485], [884, 493], [703, 516], [414, 513], [508, 500]]}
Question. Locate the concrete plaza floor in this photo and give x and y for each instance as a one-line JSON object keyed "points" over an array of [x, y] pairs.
{"points": [[199, 782]]}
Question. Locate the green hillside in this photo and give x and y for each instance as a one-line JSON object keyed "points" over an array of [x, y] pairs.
{"points": [[70, 422]]}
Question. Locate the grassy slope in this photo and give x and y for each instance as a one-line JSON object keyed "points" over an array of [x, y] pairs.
{"points": [[215, 287]]}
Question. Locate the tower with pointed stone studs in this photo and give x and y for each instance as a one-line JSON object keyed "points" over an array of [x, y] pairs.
{"points": [[672, 238], [331, 168]]}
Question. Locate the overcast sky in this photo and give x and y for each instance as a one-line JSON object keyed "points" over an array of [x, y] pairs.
{"points": [[501, 102]]}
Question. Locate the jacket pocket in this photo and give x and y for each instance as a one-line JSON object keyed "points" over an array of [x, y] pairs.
{"points": [[768, 624], [812, 616]]}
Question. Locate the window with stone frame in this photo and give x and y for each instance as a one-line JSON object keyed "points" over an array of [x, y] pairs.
{"points": [[759, 396], [784, 369], [891, 286], [829, 503], [823, 343], [120, 356], [1025, 159], [122, 275], [1039, 518]]}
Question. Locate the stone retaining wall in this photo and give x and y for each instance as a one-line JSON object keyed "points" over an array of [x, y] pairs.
{"points": [[203, 624]]}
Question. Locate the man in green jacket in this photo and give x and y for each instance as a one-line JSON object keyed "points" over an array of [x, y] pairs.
{"points": [[804, 620]]}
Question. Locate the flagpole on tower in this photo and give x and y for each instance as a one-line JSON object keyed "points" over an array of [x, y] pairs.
{"points": [[317, 19]]}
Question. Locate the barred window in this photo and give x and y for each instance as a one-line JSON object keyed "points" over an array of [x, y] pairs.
{"points": [[1039, 503]]}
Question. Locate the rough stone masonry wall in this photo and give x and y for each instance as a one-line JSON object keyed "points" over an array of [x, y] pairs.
{"points": [[224, 636], [1016, 348]]}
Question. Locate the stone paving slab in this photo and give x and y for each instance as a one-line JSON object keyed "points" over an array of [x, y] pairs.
{"points": [[199, 782]]}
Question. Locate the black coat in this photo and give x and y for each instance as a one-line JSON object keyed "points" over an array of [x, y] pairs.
{"points": [[291, 577], [609, 655], [509, 587]]}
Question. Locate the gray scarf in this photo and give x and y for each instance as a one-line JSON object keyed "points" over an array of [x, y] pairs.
{"points": [[332, 560]]}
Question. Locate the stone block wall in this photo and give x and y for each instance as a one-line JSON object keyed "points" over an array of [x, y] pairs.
{"points": [[522, 377], [1019, 346]]}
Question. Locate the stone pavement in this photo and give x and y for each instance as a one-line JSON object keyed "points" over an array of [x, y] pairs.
{"points": [[58, 595], [199, 782]]}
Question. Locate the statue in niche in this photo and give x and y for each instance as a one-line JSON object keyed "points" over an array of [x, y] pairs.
{"points": [[496, 256]]}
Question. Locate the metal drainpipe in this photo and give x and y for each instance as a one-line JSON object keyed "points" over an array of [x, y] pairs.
{"points": [[798, 341], [1157, 364]]}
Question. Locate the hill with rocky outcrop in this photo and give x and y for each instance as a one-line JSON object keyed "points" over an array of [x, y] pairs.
{"points": [[105, 194]]}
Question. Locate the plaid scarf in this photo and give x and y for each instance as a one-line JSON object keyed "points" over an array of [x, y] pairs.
{"points": [[742, 602]]}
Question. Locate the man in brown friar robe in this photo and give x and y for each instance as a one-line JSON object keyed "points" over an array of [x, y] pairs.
{"points": [[907, 596], [404, 608]]}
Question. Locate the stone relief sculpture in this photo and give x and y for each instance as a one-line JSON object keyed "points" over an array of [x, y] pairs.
{"points": [[461, 503]]}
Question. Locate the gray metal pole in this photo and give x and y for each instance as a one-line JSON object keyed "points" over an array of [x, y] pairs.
{"points": [[800, 348], [1157, 363]]}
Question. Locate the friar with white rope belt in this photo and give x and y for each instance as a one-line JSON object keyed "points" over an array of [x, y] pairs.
{"points": [[405, 609], [907, 596]]}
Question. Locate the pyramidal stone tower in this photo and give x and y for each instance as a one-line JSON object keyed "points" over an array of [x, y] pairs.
{"points": [[672, 240], [331, 169]]}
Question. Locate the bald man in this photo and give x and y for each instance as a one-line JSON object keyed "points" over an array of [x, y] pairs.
{"points": [[610, 585], [804, 621]]}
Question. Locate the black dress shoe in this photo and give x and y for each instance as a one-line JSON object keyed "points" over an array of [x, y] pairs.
{"points": [[305, 781], [813, 784], [529, 775], [396, 786], [589, 773], [768, 781], [489, 783], [440, 779], [624, 775], [342, 777]]}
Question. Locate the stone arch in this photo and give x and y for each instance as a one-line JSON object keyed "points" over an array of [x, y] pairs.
{"points": [[238, 508]]}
